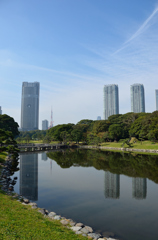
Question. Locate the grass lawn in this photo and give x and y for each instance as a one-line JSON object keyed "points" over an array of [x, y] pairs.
{"points": [[137, 145], [19, 221]]}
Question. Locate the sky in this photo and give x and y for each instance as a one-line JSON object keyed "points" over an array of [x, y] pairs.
{"points": [[74, 48]]}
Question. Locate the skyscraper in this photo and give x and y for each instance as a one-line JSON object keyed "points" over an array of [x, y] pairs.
{"points": [[137, 98], [44, 125], [111, 100], [0, 110], [156, 95], [30, 106]]}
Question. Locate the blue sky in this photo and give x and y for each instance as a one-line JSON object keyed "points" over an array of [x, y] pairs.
{"points": [[74, 48]]}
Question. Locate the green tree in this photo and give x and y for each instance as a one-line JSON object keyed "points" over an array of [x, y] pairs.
{"points": [[7, 123]]}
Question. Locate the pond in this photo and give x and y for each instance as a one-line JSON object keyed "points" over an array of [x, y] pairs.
{"points": [[114, 193]]}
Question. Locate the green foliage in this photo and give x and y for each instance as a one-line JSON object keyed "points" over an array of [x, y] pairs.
{"points": [[7, 123]]}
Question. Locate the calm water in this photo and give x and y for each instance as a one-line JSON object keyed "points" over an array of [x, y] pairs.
{"points": [[111, 192]]}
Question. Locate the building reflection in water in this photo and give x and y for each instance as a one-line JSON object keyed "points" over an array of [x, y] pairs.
{"points": [[112, 185], [29, 176], [139, 188], [44, 156]]}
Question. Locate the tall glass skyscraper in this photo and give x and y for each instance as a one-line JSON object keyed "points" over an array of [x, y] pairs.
{"points": [[111, 100], [30, 106], [137, 98], [156, 95], [0, 111]]}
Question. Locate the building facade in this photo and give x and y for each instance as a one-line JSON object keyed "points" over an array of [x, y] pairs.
{"points": [[156, 95], [111, 100], [44, 125], [0, 110], [30, 106], [137, 98]]}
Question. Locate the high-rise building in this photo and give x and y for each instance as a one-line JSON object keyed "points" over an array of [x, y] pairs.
{"points": [[111, 100], [99, 118], [0, 110], [30, 106], [156, 95], [139, 188], [112, 185], [137, 98], [44, 125]]}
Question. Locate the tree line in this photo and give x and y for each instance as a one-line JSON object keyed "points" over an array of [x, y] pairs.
{"points": [[143, 126]]}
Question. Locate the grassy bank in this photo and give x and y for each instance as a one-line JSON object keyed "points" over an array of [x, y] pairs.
{"points": [[18, 221], [137, 145]]}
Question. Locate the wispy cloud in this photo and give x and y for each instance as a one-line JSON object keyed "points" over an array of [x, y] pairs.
{"points": [[140, 30]]}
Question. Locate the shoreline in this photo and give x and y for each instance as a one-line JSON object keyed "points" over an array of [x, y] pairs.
{"points": [[119, 149]]}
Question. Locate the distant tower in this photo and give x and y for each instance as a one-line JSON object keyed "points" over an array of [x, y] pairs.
{"points": [[44, 125], [137, 98], [51, 122], [30, 106], [111, 100], [112, 185], [156, 95], [139, 188], [29, 176], [99, 118], [0, 110]]}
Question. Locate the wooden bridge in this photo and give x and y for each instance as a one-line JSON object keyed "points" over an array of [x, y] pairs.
{"points": [[40, 147]]}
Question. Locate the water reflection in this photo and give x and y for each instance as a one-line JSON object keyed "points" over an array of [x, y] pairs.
{"points": [[139, 188], [44, 156], [112, 185], [99, 188], [29, 176]]}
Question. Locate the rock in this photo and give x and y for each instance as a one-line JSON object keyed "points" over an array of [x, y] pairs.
{"points": [[42, 210], [89, 229], [75, 229], [64, 222], [51, 214], [78, 232], [94, 235], [79, 225], [34, 207], [84, 230], [57, 217], [26, 200], [33, 204], [72, 223]]}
